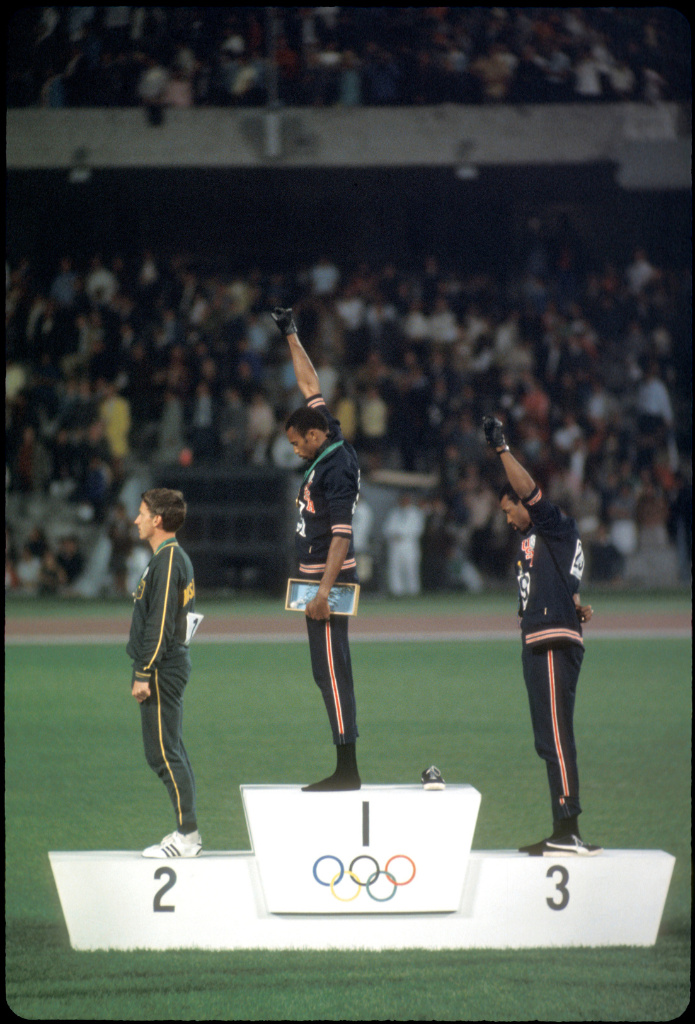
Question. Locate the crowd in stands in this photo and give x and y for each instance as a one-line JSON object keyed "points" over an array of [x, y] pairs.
{"points": [[160, 57], [155, 359]]}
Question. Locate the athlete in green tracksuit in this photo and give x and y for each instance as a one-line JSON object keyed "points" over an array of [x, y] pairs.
{"points": [[158, 647]]}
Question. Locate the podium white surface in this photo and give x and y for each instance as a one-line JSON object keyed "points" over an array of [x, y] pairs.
{"points": [[398, 848], [361, 870]]}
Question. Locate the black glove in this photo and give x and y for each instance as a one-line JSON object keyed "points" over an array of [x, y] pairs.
{"points": [[283, 318], [494, 435]]}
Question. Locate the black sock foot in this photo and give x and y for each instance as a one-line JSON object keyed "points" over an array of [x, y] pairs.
{"points": [[336, 783]]}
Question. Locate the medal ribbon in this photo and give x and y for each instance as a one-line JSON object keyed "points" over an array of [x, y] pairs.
{"points": [[327, 451]]}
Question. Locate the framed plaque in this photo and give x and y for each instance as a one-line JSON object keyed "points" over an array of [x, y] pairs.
{"points": [[343, 598]]}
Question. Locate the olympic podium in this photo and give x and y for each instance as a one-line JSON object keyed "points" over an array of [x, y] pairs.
{"points": [[384, 867]]}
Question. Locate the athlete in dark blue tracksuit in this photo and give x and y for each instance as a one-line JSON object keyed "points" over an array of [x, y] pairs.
{"points": [[326, 501], [549, 571]]}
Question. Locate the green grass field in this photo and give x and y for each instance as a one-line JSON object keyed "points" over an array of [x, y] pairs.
{"points": [[76, 779]]}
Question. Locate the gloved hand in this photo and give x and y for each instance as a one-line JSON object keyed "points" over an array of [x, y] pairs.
{"points": [[283, 318], [494, 435]]}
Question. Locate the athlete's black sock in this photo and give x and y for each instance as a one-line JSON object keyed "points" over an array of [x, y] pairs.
{"points": [[564, 827], [346, 759], [346, 775]]}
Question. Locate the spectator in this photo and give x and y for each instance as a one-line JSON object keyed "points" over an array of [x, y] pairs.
{"points": [[681, 522], [381, 77], [96, 489], [170, 437], [115, 414], [70, 558], [403, 531], [36, 541], [28, 571], [120, 530], [373, 424], [52, 578], [233, 428], [655, 415], [328, 376], [346, 411], [640, 273], [494, 70], [606, 562], [416, 326], [31, 471], [63, 287], [101, 283], [362, 527], [324, 277], [152, 88], [587, 72], [261, 426], [443, 324], [436, 546], [621, 506], [66, 467], [203, 427], [350, 80]]}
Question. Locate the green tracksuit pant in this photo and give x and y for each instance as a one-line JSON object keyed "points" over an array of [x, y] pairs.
{"points": [[161, 720]]}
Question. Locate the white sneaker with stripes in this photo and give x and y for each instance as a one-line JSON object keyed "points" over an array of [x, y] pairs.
{"points": [[175, 845]]}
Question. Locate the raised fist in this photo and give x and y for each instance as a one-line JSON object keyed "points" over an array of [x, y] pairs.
{"points": [[283, 318], [494, 435]]}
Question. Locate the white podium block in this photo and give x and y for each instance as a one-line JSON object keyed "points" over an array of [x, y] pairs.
{"points": [[415, 883], [121, 900], [400, 849]]}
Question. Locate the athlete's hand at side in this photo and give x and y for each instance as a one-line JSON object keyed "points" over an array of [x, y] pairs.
{"points": [[140, 690], [318, 608], [584, 612]]}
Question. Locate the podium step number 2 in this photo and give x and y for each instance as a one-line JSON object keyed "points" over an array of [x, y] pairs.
{"points": [[383, 867]]}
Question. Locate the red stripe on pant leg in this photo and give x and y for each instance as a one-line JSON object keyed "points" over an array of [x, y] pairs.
{"points": [[556, 731], [335, 688]]}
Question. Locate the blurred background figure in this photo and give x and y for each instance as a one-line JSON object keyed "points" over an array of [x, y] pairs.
{"points": [[403, 529]]}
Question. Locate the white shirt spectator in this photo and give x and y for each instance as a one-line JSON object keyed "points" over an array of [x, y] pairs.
{"points": [[378, 314], [653, 400], [352, 312], [443, 323], [587, 77], [640, 273], [403, 529], [324, 277], [101, 284], [416, 325]]}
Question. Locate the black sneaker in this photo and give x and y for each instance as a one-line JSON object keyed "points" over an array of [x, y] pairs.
{"points": [[562, 846], [572, 845], [432, 778]]}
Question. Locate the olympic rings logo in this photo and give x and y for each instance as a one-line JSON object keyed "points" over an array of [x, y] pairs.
{"points": [[371, 880]]}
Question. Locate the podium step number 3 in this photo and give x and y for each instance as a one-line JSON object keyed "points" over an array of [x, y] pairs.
{"points": [[383, 867]]}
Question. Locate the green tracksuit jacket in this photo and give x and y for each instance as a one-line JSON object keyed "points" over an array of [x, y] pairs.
{"points": [[164, 595]]}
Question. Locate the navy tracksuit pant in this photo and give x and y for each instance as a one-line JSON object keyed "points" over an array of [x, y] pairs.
{"points": [[331, 664], [551, 675]]}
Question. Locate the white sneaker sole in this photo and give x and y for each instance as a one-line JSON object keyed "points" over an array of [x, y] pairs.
{"points": [[566, 852], [170, 853]]}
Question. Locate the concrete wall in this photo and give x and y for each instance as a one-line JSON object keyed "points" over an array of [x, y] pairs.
{"points": [[651, 144]]}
